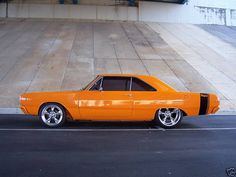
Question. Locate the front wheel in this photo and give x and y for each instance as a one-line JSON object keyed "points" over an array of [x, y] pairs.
{"points": [[168, 117], [52, 115]]}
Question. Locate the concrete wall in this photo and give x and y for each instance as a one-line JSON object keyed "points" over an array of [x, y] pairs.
{"points": [[222, 12], [2, 10], [81, 2], [71, 11]]}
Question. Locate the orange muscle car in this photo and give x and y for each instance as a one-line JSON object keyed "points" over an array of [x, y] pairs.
{"points": [[119, 97]]}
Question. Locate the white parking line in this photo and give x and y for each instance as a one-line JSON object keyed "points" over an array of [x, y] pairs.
{"points": [[116, 130]]}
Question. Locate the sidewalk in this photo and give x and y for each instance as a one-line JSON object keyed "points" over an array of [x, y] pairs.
{"points": [[46, 55]]}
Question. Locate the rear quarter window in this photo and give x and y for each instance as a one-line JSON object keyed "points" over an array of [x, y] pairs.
{"points": [[139, 85]]}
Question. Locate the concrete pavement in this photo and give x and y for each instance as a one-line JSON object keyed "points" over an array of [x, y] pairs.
{"points": [[210, 56], [46, 55]]}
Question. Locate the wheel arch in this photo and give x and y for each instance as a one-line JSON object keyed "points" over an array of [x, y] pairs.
{"points": [[68, 115], [184, 112]]}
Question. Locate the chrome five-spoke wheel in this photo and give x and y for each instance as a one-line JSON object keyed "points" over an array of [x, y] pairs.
{"points": [[169, 117], [52, 115]]}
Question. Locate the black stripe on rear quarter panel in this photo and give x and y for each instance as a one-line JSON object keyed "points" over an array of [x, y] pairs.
{"points": [[203, 103]]}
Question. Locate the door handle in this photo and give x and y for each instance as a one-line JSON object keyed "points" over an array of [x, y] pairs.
{"points": [[129, 95]]}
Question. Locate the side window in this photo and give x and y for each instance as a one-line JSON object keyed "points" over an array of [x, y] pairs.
{"points": [[96, 85], [116, 83], [139, 85]]}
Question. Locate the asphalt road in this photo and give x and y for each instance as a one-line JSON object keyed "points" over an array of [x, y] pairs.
{"points": [[201, 147]]}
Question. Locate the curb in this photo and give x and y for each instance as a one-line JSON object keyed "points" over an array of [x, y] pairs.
{"points": [[226, 113], [18, 111], [10, 111]]}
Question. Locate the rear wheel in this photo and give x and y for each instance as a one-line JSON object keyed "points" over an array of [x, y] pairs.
{"points": [[168, 117], [52, 115]]}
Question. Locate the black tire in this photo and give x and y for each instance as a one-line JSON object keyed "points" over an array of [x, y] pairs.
{"points": [[164, 118], [52, 115]]}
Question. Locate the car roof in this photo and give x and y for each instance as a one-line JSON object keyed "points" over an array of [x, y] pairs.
{"points": [[145, 77], [125, 75], [153, 81]]}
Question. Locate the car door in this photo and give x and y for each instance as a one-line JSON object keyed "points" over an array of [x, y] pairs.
{"points": [[108, 99], [144, 100]]}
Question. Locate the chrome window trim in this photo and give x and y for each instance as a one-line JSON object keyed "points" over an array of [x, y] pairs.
{"points": [[101, 84], [102, 77], [93, 82], [130, 84]]}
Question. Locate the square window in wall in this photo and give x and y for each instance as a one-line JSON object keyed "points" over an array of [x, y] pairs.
{"points": [[233, 14]]}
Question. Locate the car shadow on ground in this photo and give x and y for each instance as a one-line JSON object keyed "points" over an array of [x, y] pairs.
{"points": [[25, 121]]}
